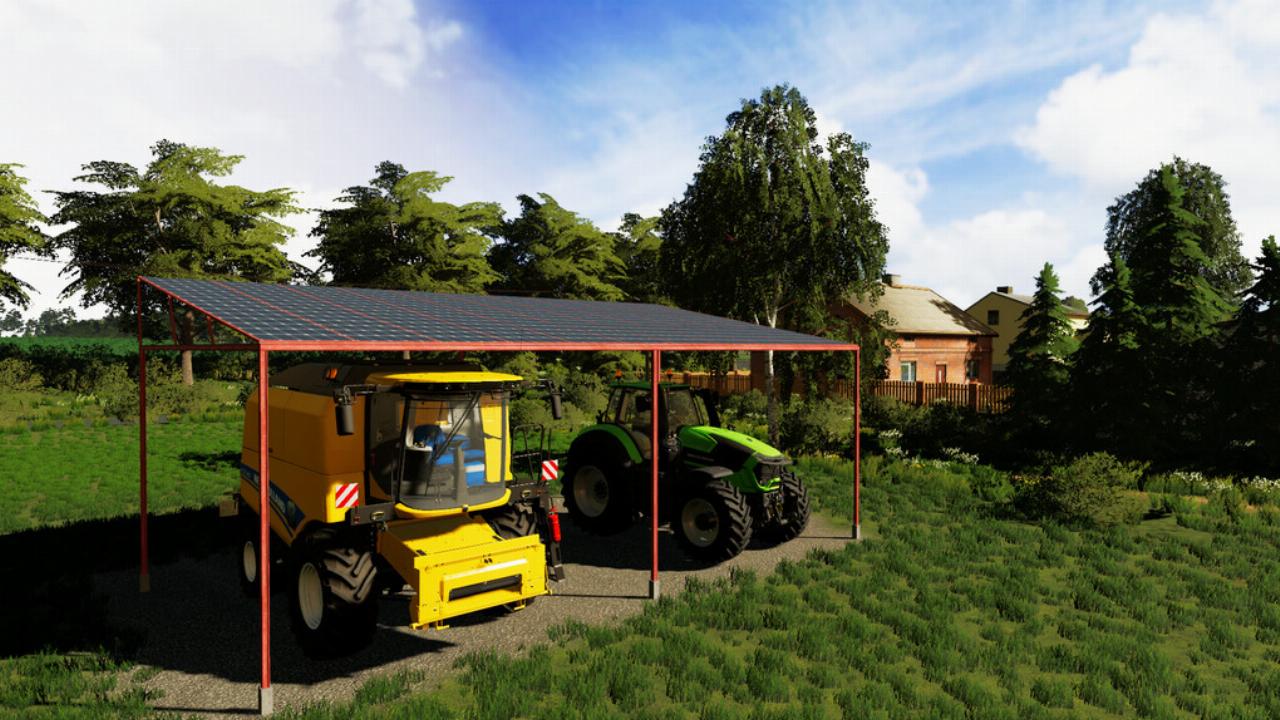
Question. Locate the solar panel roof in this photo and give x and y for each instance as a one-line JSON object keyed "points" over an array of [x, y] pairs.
{"points": [[324, 317]]}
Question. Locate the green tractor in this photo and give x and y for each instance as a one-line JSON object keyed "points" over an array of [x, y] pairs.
{"points": [[718, 488]]}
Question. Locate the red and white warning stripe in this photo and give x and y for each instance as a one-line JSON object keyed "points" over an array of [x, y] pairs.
{"points": [[347, 496], [550, 470]]}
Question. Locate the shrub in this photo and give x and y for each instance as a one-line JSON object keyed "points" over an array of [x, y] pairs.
{"points": [[822, 426], [116, 392], [1085, 491], [744, 411], [19, 374]]}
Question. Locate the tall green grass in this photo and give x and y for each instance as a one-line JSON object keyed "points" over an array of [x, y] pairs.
{"points": [[62, 475], [952, 610]]}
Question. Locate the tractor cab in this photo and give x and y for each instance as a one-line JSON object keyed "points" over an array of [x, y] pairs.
{"points": [[679, 406]]}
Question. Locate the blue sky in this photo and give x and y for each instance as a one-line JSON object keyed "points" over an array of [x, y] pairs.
{"points": [[999, 132]]}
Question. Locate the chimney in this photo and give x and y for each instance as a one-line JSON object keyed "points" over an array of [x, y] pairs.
{"points": [[892, 280], [1006, 289]]}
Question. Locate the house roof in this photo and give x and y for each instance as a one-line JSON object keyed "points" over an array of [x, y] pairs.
{"points": [[1028, 299], [919, 310], [295, 317]]}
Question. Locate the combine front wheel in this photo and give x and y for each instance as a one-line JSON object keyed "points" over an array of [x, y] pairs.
{"points": [[333, 608]]}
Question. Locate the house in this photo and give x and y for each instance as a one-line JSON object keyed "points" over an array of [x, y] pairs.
{"points": [[933, 341], [1002, 312]]}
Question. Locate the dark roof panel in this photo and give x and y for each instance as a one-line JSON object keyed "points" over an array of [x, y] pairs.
{"points": [[328, 315]]}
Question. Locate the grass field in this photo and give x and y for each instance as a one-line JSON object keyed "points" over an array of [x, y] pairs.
{"points": [[952, 609], [78, 472]]}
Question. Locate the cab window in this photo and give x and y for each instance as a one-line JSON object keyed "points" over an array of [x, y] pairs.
{"points": [[683, 409]]}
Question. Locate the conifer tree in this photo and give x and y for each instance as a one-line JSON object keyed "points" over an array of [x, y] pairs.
{"points": [[1038, 370]]}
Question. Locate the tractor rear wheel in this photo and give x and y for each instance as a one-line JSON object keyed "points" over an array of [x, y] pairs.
{"points": [[795, 509], [596, 495], [334, 610], [714, 522]]}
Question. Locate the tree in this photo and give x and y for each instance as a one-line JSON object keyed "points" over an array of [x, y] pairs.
{"points": [[1178, 321], [775, 226], [1109, 372], [1038, 371], [172, 220], [639, 245], [11, 322], [18, 231], [1075, 303], [392, 234], [1133, 215], [1251, 362], [548, 251]]}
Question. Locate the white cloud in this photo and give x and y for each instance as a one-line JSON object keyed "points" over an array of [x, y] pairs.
{"points": [[310, 92], [1205, 87]]}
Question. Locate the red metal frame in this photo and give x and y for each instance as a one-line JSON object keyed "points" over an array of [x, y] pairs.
{"points": [[264, 347], [265, 705], [654, 380]]}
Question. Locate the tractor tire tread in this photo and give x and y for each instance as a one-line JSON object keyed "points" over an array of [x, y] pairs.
{"points": [[736, 523]]}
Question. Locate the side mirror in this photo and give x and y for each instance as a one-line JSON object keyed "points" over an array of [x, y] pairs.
{"points": [[346, 416], [557, 411]]}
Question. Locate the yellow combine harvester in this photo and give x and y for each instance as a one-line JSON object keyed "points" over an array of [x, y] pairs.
{"points": [[394, 479]]}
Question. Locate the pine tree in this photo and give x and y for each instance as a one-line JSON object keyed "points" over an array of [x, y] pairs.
{"points": [[393, 234], [549, 251], [1109, 366], [1250, 394], [1038, 369]]}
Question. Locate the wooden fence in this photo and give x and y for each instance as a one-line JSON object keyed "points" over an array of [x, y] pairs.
{"points": [[976, 396]]}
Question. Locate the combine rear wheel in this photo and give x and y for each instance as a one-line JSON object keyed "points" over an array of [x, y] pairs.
{"points": [[713, 523], [333, 609]]}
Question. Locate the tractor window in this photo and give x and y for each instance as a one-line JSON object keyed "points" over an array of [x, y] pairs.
{"points": [[611, 410], [683, 409], [635, 413], [445, 460], [386, 410]]}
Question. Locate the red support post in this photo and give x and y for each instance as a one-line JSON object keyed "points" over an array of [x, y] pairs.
{"points": [[144, 575], [857, 444], [144, 570], [654, 406], [265, 704]]}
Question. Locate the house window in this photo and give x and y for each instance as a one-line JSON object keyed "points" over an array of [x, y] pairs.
{"points": [[908, 371], [993, 317], [971, 369]]}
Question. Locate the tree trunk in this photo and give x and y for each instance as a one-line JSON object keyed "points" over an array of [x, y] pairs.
{"points": [[769, 385], [188, 336], [771, 393]]}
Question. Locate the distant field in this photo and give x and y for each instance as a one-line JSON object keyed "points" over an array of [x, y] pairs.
{"points": [[72, 473]]}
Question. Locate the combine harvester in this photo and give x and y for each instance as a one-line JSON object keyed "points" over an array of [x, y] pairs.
{"points": [[395, 479]]}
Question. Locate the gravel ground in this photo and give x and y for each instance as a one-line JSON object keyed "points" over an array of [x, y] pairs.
{"points": [[202, 633]]}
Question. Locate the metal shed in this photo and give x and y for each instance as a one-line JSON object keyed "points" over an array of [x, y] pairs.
{"points": [[267, 318]]}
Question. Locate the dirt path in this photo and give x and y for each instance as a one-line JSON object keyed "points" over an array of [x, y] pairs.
{"points": [[201, 633]]}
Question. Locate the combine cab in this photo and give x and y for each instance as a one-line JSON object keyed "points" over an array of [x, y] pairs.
{"points": [[389, 479]]}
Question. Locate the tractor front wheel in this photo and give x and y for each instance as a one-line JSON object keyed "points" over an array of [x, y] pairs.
{"points": [[596, 497], [333, 609], [795, 509], [714, 522]]}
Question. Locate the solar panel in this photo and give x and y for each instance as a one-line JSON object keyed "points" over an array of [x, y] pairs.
{"points": [[326, 317]]}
